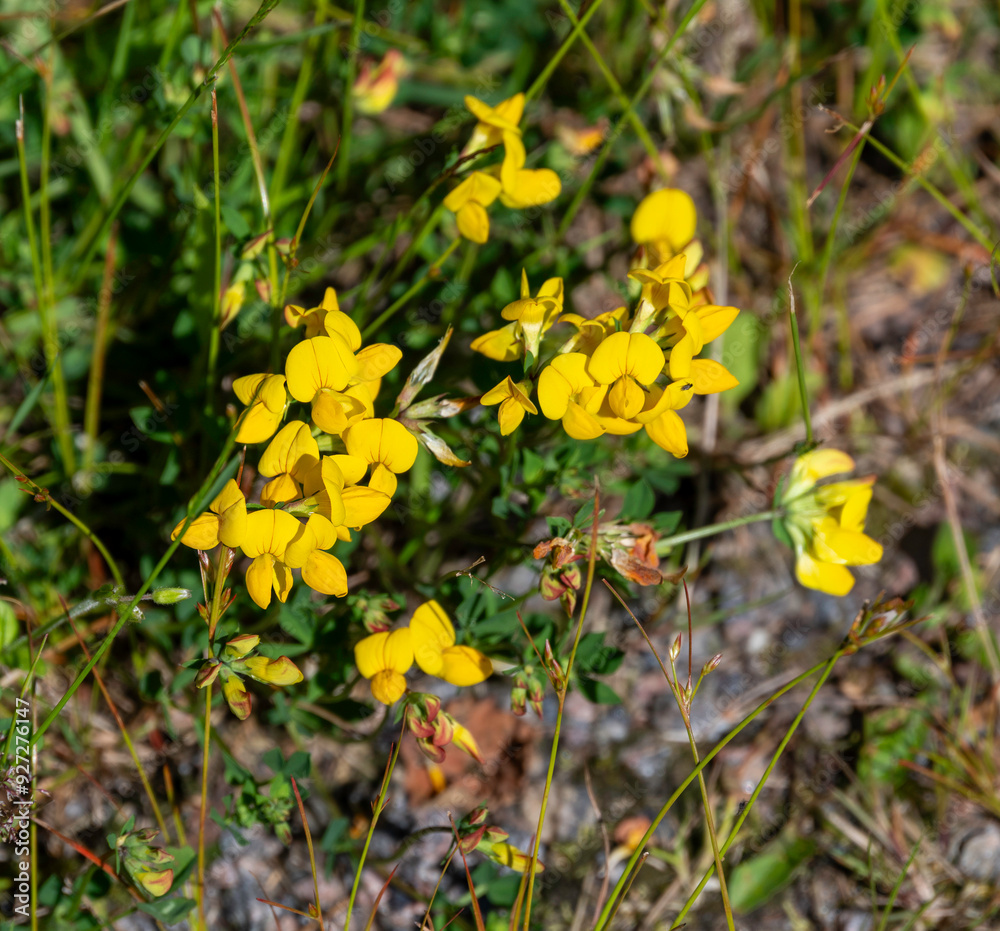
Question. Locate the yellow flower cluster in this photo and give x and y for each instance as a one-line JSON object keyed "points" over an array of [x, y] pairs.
{"points": [[621, 372], [385, 657], [827, 522], [515, 185], [310, 500]]}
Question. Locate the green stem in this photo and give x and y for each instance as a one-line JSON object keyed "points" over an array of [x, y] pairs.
{"points": [[72, 518], [380, 801], [561, 693], [216, 321], [578, 27], [123, 195], [666, 544], [50, 329], [203, 811], [827, 668], [616, 88], [799, 367], [348, 96], [429, 275], [711, 755], [95, 378], [647, 81]]}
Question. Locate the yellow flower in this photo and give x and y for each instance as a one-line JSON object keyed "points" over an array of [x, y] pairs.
{"points": [[232, 301], [664, 222], [387, 446], [567, 392], [503, 345], [434, 648], [268, 534], [315, 318], [321, 571], [514, 400], [533, 316], [508, 855], [469, 202], [280, 671], [289, 458], [590, 331], [262, 417], [826, 522], [493, 121], [384, 659], [224, 522], [629, 362], [522, 187], [376, 87], [332, 488], [318, 370]]}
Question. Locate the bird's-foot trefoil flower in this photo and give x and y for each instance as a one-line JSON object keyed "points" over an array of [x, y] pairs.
{"points": [[266, 397], [436, 652], [826, 522], [514, 399], [384, 659], [224, 522]]}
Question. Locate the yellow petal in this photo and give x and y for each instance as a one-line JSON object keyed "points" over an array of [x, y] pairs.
{"points": [[847, 547], [431, 633], [388, 686], [821, 463], [501, 345], [580, 423], [280, 671], [281, 489], [634, 354], [680, 359], [498, 393], [463, 666], [202, 532], [325, 573], [715, 320], [505, 115], [823, 576], [328, 412], [383, 480], [257, 424], [236, 696], [293, 450], [320, 362], [259, 576], [710, 377], [668, 215], [363, 505], [336, 321], [377, 360], [668, 432], [510, 416], [478, 188], [530, 188], [269, 532], [514, 158], [353, 468], [384, 651], [473, 222], [626, 397], [382, 440]]}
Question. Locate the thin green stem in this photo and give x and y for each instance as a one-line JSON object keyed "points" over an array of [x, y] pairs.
{"points": [[203, 810], [711, 755], [800, 369], [95, 378], [126, 190], [616, 89], [43, 494], [346, 131], [827, 668], [380, 801], [644, 86], [666, 544], [312, 852], [216, 321], [553, 62], [561, 691], [50, 329], [429, 275]]}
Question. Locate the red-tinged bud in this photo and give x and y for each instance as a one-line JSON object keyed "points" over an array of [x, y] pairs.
{"points": [[713, 663], [283, 832], [444, 730], [675, 647], [420, 728], [155, 882], [255, 246], [207, 674], [433, 753], [464, 740], [478, 815], [496, 835], [470, 842], [239, 646], [518, 700]]}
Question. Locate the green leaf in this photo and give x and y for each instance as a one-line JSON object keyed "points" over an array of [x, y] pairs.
{"points": [[754, 882], [169, 911], [598, 692], [639, 502], [234, 222]]}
